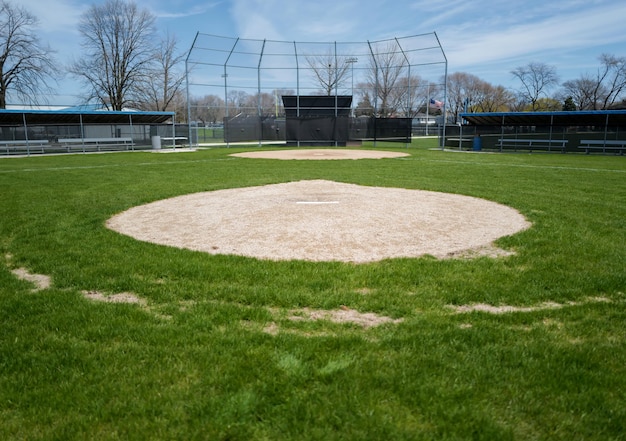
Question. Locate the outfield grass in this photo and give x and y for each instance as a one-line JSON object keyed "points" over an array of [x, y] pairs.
{"points": [[196, 360], [210, 134]]}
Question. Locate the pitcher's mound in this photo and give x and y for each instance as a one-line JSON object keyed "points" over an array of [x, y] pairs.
{"points": [[321, 154], [322, 221]]}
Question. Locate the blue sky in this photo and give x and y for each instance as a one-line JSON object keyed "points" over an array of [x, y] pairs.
{"points": [[487, 38]]}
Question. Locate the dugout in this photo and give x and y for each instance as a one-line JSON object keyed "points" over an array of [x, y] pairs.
{"points": [[71, 130], [524, 131]]}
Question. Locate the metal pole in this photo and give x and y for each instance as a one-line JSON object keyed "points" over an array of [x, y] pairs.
{"points": [[130, 120], [427, 106], [501, 131], [225, 76], [408, 97], [295, 50], [82, 131], [550, 132], [174, 132], [375, 89], [336, 98], [26, 133], [187, 89], [259, 103], [445, 94], [352, 60]]}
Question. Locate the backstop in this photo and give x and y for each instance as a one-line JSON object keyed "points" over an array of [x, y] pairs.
{"points": [[241, 84]]}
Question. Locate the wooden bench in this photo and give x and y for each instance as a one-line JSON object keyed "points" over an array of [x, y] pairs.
{"points": [[23, 146], [95, 143], [600, 144], [532, 144]]}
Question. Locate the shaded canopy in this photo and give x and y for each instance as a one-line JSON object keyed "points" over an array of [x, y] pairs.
{"points": [[70, 117], [582, 118]]}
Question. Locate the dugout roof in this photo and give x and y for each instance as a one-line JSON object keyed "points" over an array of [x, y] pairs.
{"points": [[575, 118], [70, 117]]}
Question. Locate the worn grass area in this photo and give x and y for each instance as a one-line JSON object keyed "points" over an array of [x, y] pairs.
{"points": [[194, 346]]}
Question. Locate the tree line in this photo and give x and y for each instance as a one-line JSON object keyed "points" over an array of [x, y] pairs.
{"points": [[124, 63], [541, 90], [386, 90]]}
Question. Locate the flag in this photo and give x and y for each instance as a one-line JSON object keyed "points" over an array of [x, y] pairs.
{"points": [[436, 104]]}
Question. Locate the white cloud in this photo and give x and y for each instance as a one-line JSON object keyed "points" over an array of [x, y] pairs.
{"points": [[322, 20], [62, 16], [169, 10], [568, 31], [431, 14]]}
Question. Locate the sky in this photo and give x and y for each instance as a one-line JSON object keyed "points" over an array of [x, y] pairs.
{"points": [[486, 38]]}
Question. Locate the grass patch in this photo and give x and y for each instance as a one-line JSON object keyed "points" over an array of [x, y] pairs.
{"points": [[211, 350]]}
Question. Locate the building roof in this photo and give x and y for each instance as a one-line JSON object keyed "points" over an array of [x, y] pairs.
{"points": [[54, 117], [575, 118]]}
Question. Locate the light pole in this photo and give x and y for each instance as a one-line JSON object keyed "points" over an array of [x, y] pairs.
{"points": [[352, 60]]}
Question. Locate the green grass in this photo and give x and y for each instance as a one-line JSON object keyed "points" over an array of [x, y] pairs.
{"points": [[195, 361]]}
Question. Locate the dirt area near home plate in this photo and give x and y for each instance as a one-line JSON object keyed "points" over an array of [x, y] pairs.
{"points": [[320, 220]]}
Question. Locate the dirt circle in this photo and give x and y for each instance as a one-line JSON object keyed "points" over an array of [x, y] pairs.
{"points": [[321, 154], [321, 220]]}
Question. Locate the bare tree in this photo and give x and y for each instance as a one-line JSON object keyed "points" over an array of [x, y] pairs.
{"points": [[386, 66], [468, 93], [238, 101], [165, 79], [463, 93], [330, 71], [602, 90], [364, 106], [208, 109], [119, 51], [582, 91], [25, 64], [611, 80], [492, 98], [536, 79], [462, 89], [265, 103], [411, 95]]}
